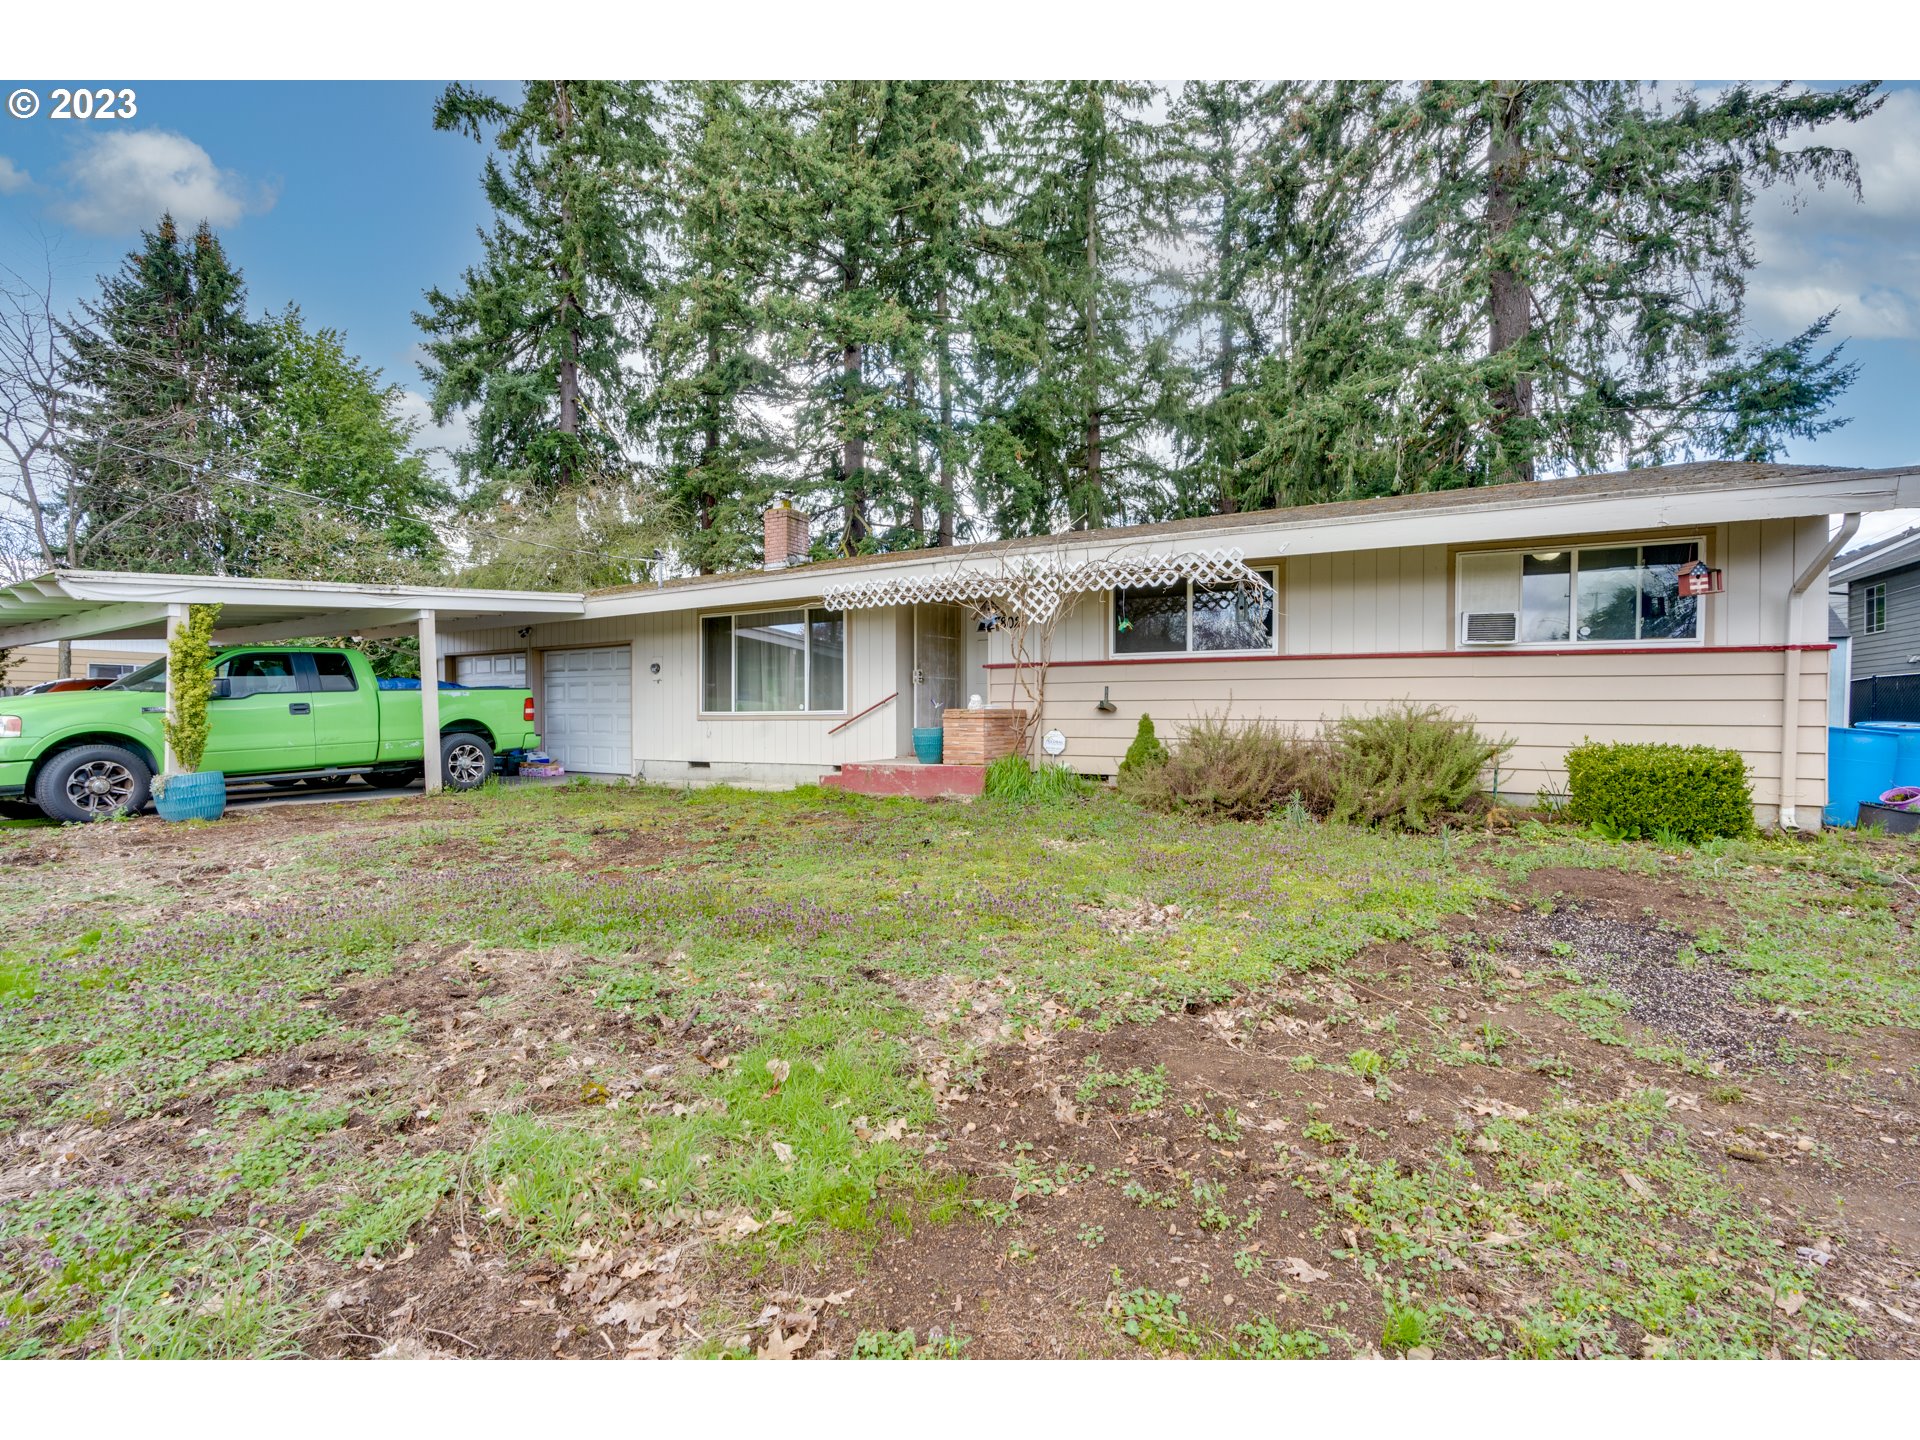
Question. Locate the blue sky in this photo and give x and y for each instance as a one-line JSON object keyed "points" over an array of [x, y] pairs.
{"points": [[343, 197]]}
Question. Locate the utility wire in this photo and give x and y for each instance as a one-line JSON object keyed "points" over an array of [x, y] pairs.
{"points": [[384, 516]]}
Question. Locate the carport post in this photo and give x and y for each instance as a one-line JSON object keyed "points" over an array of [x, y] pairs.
{"points": [[430, 701], [176, 622]]}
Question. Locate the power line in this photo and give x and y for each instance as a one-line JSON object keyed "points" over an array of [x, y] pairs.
{"points": [[386, 517]]}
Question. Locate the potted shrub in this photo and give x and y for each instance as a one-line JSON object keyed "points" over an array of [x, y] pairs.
{"points": [[187, 792]]}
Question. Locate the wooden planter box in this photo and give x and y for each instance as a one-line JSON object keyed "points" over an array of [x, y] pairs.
{"points": [[979, 737]]}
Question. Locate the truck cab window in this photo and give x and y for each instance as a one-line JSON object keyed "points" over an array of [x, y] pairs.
{"points": [[258, 674], [332, 672]]}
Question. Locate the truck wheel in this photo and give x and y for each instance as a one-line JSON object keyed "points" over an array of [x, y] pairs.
{"points": [[92, 782], [465, 761]]}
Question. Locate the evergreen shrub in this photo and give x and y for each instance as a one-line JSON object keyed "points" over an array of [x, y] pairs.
{"points": [[190, 664], [1227, 771], [1692, 792], [1408, 766], [1147, 749]]}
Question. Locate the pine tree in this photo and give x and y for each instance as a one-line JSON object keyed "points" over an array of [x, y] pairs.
{"points": [[834, 310], [167, 377], [534, 340], [1582, 248], [708, 413], [331, 441], [1074, 372]]}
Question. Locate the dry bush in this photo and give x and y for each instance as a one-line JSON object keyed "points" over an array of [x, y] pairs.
{"points": [[1408, 766], [1235, 771]]}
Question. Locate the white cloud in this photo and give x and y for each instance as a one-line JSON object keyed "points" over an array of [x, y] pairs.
{"points": [[12, 177], [436, 442], [1823, 249], [124, 180]]}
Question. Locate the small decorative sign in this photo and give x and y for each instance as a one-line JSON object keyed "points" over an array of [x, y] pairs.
{"points": [[1697, 579], [1053, 742]]}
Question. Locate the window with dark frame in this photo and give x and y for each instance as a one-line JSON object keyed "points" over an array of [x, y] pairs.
{"points": [[774, 662], [1195, 617], [1876, 609]]}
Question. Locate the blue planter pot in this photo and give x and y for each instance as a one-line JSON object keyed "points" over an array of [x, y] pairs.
{"points": [[929, 744], [200, 796]]}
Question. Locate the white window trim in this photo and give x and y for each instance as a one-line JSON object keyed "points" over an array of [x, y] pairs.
{"points": [[1696, 641], [1272, 572], [1878, 588], [806, 679]]}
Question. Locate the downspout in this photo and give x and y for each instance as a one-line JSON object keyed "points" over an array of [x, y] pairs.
{"points": [[1790, 687]]}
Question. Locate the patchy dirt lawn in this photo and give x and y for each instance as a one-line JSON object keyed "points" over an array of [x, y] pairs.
{"points": [[635, 1074]]}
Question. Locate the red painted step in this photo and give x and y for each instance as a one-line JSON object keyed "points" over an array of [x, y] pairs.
{"points": [[908, 777]]}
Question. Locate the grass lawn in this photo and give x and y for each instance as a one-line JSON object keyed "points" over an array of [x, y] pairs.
{"points": [[611, 1072]]}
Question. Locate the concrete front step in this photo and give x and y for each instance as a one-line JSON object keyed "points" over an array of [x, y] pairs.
{"points": [[908, 777]]}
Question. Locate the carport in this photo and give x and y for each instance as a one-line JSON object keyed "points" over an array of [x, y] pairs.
{"points": [[96, 604]]}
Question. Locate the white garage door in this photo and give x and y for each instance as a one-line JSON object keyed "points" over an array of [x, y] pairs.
{"points": [[587, 722], [492, 670]]}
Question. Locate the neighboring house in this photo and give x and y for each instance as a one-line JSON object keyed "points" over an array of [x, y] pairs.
{"points": [[36, 663], [1881, 584], [1549, 613], [1683, 603]]}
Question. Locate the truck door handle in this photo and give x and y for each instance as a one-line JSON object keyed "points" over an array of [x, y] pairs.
{"points": [[300, 707]]}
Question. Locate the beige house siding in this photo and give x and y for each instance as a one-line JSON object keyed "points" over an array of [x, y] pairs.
{"points": [[1365, 629], [37, 663], [1357, 629], [674, 740]]}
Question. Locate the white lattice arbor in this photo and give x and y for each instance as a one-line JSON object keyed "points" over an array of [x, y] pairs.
{"points": [[1032, 588]]}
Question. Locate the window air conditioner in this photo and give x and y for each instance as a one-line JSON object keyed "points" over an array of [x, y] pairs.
{"points": [[1489, 627]]}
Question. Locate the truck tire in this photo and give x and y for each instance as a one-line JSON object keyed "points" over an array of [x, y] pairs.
{"points": [[466, 761], [92, 782]]}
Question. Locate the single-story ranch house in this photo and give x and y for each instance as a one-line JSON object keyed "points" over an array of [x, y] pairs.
{"points": [[1681, 603]]}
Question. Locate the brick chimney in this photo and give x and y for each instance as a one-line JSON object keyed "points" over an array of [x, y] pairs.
{"points": [[789, 536]]}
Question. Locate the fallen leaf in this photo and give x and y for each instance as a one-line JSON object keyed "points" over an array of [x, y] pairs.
{"points": [[779, 1070], [1789, 1302], [1300, 1270], [782, 1152], [1639, 1186]]}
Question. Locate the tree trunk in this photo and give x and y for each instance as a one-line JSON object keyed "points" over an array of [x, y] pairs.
{"points": [[1509, 298], [569, 313], [853, 449], [917, 503], [945, 363], [1091, 508]]}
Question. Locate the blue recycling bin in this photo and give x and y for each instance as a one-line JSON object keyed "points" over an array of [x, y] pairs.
{"points": [[1906, 760], [1860, 766]]}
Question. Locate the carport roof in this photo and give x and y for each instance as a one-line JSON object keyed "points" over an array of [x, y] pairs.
{"points": [[93, 604]]}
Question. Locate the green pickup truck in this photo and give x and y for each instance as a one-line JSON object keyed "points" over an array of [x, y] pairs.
{"points": [[279, 713]]}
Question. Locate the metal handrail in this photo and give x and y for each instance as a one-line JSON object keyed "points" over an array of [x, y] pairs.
{"points": [[864, 713]]}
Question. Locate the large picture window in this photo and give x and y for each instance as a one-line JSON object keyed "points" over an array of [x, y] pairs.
{"points": [[774, 661], [1580, 594], [1193, 617]]}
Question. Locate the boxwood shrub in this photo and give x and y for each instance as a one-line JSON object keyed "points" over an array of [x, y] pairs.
{"points": [[1692, 792]]}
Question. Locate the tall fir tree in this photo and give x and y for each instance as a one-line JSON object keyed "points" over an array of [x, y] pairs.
{"points": [[534, 341], [709, 414], [1583, 249], [167, 377], [834, 310], [1069, 343]]}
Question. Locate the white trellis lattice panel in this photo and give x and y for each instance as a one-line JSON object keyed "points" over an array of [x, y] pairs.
{"points": [[1033, 587]]}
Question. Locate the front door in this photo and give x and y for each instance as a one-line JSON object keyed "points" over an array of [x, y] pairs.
{"points": [[936, 662], [264, 721]]}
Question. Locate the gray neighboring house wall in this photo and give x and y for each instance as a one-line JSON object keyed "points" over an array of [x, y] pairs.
{"points": [[1893, 567]]}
